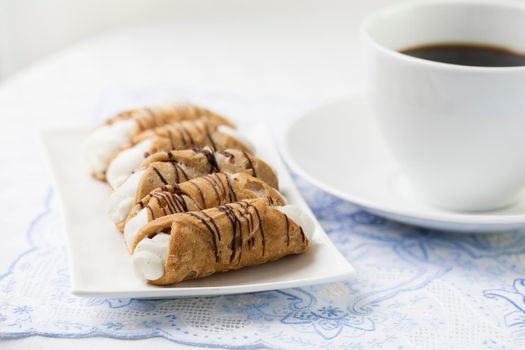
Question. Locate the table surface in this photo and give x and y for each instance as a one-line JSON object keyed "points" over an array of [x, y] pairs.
{"points": [[310, 51], [302, 52]]}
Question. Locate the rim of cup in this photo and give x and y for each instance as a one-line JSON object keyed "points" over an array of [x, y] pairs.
{"points": [[389, 10]]}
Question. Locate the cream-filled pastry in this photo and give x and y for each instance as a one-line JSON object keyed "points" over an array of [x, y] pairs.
{"points": [[228, 237], [190, 134], [174, 167], [197, 194], [120, 130]]}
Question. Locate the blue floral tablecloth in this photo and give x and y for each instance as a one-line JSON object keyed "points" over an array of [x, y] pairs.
{"points": [[414, 289]]}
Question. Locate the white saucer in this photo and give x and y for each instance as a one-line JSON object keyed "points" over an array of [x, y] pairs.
{"points": [[338, 147]]}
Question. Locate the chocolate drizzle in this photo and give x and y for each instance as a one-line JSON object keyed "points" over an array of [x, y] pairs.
{"points": [[171, 138], [263, 240], [250, 163], [213, 185], [170, 200], [151, 214], [180, 201], [185, 131], [184, 135], [213, 223], [232, 197], [222, 191], [210, 157], [245, 213], [208, 135], [303, 237], [210, 230], [177, 171], [236, 239], [181, 134], [200, 192], [174, 202], [160, 176]]}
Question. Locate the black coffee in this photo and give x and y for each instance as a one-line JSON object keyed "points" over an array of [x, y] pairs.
{"points": [[468, 55]]}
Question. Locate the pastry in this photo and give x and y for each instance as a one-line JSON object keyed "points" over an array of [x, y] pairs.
{"points": [[197, 194], [106, 140], [196, 244], [175, 136], [190, 196], [174, 167]]}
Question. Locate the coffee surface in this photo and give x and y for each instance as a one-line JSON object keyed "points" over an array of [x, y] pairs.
{"points": [[468, 55]]}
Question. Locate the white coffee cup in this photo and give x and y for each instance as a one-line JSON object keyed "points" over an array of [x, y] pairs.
{"points": [[457, 132]]}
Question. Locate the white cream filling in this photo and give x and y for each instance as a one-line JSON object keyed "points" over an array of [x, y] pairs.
{"points": [[102, 144], [125, 162], [238, 135], [300, 217], [134, 225], [122, 197], [150, 256]]}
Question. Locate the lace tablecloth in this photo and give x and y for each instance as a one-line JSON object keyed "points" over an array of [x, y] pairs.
{"points": [[414, 288]]}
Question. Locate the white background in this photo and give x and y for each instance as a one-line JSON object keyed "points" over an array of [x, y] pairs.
{"points": [[31, 29]]}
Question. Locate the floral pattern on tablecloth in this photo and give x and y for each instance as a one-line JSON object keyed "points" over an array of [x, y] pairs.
{"points": [[415, 288]]}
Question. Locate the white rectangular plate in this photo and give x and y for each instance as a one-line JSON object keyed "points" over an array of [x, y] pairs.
{"points": [[101, 264]]}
